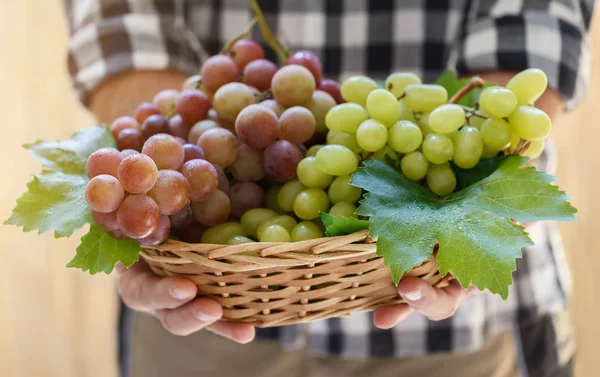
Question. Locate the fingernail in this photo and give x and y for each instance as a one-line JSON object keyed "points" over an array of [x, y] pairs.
{"points": [[413, 295], [204, 317], [179, 294]]}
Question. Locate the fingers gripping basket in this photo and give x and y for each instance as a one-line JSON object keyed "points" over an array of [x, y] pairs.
{"points": [[274, 284]]}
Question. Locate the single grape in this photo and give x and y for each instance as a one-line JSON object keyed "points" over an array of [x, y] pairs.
{"points": [[199, 128], [183, 218], [332, 88], [128, 152], [383, 106], [222, 233], [239, 240], [271, 199], [385, 151], [425, 97], [371, 135], [159, 235], [254, 218], [192, 152], [306, 230], [257, 126], [178, 128], [342, 191], [219, 145], [223, 184], [287, 194], [165, 150], [406, 113], [123, 123], [476, 122], [171, 192], [357, 88], [310, 176], [414, 166], [441, 179], [344, 209], [447, 118], [192, 105], [230, 99], [398, 81], [296, 125], [535, 149], [336, 160], [346, 117], [489, 152], [273, 105], [213, 210], [495, 133], [287, 222], [497, 101], [103, 161], [144, 110], [405, 136], [319, 105], [345, 139], [293, 85], [310, 202], [468, 147], [137, 173], [528, 85], [312, 151], [108, 221], [245, 196], [424, 124], [530, 123], [138, 216], [155, 124], [281, 160], [259, 73], [192, 82], [202, 177], [245, 51], [308, 60], [217, 71], [165, 100], [130, 138], [248, 164], [437, 148], [275, 233]]}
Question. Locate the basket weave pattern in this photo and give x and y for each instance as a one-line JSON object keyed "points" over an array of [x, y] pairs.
{"points": [[274, 284]]}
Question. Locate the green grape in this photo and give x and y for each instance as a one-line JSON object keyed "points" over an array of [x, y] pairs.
{"points": [[275, 233], [222, 233], [346, 117], [309, 203], [371, 135], [405, 136], [488, 152], [528, 85], [271, 199], [468, 147], [306, 230], [497, 101], [405, 112], [476, 122], [447, 118], [441, 179], [496, 133], [343, 138], [357, 88], [287, 194], [396, 82], [336, 160], [414, 166], [383, 106], [424, 124], [239, 240], [253, 218], [285, 221], [514, 140], [530, 123], [310, 176], [312, 151], [386, 151], [425, 97], [535, 149], [344, 209], [437, 148], [342, 191]]}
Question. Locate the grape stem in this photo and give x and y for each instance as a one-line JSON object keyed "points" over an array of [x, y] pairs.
{"points": [[267, 94], [476, 82], [226, 50], [521, 147], [279, 47]]}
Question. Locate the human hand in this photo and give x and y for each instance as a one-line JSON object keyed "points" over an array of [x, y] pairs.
{"points": [[434, 303], [173, 301]]}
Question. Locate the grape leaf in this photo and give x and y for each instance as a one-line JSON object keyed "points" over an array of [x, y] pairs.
{"points": [[98, 252], [453, 84], [478, 243], [341, 226]]}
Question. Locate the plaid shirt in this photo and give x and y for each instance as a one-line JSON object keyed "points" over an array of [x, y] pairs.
{"points": [[377, 38]]}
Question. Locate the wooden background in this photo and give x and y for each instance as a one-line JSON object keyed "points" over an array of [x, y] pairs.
{"points": [[60, 322]]}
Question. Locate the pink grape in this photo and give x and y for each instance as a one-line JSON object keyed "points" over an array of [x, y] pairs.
{"points": [[178, 128], [165, 150], [171, 192], [144, 110], [296, 125], [192, 233], [248, 165], [130, 138], [281, 160], [334, 90], [257, 126], [245, 51], [103, 161], [230, 99], [182, 218], [165, 100], [123, 123], [319, 105], [202, 177], [192, 105], [245, 196], [259, 74], [193, 82], [138, 216], [192, 152], [293, 85], [137, 173], [217, 71], [160, 234], [155, 124], [273, 105], [223, 184], [104, 193], [128, 152], [180, 140], [219, 145], [199, 128], [108, 221], [213, 210], [309, 60]]}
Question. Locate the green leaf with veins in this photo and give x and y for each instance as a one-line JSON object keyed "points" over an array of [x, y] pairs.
{"points": [[341, 226]]}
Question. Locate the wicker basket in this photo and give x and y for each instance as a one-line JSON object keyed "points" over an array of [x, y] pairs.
{"points": [[274, 284]]}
